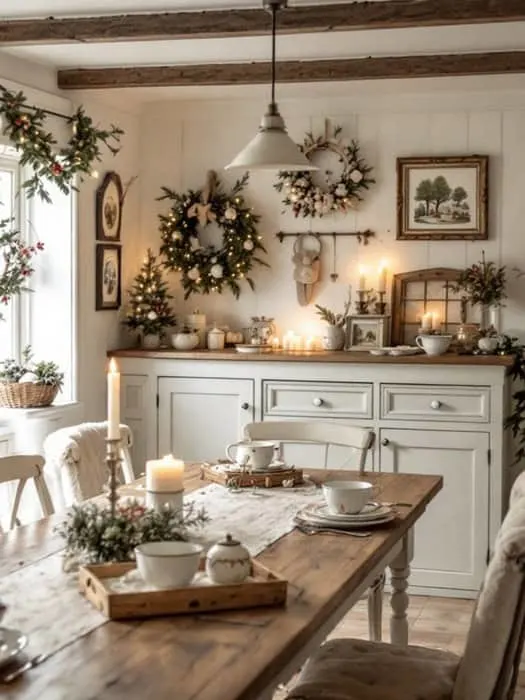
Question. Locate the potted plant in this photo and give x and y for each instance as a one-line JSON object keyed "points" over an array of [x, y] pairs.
{"points": [[334, 334], [29, 384], [484, 284]]}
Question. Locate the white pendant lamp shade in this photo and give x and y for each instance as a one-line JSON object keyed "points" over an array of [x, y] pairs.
{"points": [[271, 148]]}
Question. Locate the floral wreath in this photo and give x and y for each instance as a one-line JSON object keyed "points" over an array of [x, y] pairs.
{"points": [[342, 195], [211, 269]]}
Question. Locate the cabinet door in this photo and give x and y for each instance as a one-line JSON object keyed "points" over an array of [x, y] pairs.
{"points": [[451, 539], [198, 416], [133, 407]]}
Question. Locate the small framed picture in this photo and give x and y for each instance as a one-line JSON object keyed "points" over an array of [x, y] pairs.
{"points": [[366, 332], [442, 198], [107, 277], [109, 208]]}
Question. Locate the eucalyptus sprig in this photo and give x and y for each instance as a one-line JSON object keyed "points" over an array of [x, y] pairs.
{"points": [[333, 318], [483, 283]]}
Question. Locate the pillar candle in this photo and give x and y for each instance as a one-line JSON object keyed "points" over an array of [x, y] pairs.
{"points": [[113, 401], [310, 344], [426, 322], [436, 322], [362, 278], [287, 341], [166, 474], [381, 278], [275, 343]]}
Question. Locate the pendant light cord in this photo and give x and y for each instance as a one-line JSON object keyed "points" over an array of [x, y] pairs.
{"points": [[274, 32]]}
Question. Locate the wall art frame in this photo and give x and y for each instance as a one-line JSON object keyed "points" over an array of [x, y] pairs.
{"points": [[442, 199], [366, 332], [108, 270], [109, 200]]}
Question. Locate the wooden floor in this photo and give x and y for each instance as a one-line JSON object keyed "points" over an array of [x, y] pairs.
{"points": [[441, 623]]}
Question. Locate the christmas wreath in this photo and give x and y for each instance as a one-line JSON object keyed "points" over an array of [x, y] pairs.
{"points": [[208, 269], [309, 199]]}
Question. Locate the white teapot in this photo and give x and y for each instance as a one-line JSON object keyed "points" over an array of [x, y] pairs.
{"points": [[228, 561]]}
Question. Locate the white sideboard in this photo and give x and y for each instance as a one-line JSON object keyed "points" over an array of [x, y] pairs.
{"points": [[430, 416]]}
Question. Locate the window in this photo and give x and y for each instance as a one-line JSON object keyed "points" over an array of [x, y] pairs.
{"points": [[45, 317]]}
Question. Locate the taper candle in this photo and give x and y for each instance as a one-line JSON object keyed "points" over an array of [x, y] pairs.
{"points": [[381, 278], [362, 278], [113, 401]]}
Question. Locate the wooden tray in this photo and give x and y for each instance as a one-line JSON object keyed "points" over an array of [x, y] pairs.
{"points": [[267, 479], [262, 588]]}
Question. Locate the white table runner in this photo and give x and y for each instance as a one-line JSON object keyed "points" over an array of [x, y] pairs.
{"points": [[257, 517]]}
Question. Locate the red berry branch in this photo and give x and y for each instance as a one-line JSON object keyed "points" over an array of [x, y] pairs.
{"points": [[16, 255]]}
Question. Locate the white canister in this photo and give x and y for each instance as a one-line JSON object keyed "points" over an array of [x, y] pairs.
{"points": [[228, 561], [197, 322], [216, 339]]}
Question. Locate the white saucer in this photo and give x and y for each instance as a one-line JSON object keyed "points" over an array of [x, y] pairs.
{"points": [[371, 512], [275, 466], [307, 517], [11, 644], [253, 349], [401, 350]]}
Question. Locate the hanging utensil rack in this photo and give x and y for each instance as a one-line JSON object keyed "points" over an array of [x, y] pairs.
{"points": [[362, 236]]}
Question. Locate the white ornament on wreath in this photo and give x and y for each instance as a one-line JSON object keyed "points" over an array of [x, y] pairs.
{"points": [[308, 199], [217, 271], [194, 274]]}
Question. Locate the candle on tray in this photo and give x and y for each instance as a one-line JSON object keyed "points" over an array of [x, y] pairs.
{"points": [[310, 344], [275, 343], [426, 322], [362, 278], [381, 278], [287, 340], [113, 401], [165, 474]]}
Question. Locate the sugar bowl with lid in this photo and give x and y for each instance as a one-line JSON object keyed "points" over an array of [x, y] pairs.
{"points": [[228, 561]]}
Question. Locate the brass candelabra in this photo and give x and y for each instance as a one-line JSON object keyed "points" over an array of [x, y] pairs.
{"points": [[113, 466]]}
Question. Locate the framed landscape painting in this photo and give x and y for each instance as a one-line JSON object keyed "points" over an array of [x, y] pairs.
{"points": [[442, 198]]}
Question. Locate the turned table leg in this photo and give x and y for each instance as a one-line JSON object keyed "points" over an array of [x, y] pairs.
{"points": [[400, 570], [375, 609]]}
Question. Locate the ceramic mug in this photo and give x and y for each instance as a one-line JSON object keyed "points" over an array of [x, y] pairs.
{"points": [[434, 344], [256, 454], [348, 496]]}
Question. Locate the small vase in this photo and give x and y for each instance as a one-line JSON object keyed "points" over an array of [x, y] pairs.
{"points": [[489, 317], [150, 341], [333, 338]]}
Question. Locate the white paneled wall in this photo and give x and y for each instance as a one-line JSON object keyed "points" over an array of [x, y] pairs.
{"points": [[184, 139]]}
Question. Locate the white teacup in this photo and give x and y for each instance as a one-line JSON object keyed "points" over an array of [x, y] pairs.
{"points": [[168, 564], [434, 344], [348, 496], [255, 454]]}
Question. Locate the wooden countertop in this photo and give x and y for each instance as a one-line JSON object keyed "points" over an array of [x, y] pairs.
{"points": [[333, 357]]}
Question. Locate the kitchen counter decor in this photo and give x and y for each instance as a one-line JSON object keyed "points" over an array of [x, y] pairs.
{"points": [[213, 268]]}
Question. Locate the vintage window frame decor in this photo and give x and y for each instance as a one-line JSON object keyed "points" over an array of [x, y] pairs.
{"points": [[457, 230], [101, 304], [109, 193]]}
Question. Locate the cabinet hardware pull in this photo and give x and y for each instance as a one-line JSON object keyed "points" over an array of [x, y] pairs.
{"points": [[435, 404], [385, 442], [318, 402], [245, 406]]}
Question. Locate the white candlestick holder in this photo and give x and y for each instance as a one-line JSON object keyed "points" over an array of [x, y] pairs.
{"points": [[159, 499]]}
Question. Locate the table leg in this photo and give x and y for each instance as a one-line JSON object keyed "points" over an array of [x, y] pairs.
{"points": [[400, 570], [375, 609]]}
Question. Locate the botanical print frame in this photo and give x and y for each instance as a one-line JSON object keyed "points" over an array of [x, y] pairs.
{"points": [[108, 277], [109, 208], [442, 198], [366, 332]]}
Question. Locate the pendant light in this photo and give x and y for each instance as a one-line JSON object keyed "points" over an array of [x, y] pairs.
{"points": [[272, 148]]}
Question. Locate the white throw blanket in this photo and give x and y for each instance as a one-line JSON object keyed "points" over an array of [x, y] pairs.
{"points": [[75, 462]]}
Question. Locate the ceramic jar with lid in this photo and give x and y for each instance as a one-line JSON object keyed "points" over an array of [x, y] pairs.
{"points": [[185, 340], [216, 338], [228, 561]]}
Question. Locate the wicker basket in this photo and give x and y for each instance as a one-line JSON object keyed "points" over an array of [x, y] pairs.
{"points": [[26, 395]]}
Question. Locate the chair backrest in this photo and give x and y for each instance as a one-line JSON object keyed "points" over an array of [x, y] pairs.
{"points": [[518, 488], [326, 433], [22, 468], [76, 461], [492, 655]]}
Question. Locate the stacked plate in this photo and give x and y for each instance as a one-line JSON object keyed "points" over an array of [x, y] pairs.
{"points": [[229, 467], [373, 514], [11, 644]]}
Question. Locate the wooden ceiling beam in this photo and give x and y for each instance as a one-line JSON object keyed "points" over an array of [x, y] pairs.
{"points": [[295, 71], [388, 14]]}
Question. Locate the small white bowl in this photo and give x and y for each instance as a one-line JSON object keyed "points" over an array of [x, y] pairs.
{"points": [[168, 564], [347, 497]]}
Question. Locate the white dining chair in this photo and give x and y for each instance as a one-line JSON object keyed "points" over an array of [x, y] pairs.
{"points": [[20, 469], [351, 669], [358, 442], [76, 461]]}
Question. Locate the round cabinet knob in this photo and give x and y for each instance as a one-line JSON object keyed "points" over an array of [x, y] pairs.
{"points": [[435, 405], [245, 406], [385, 442], [317, 402]]}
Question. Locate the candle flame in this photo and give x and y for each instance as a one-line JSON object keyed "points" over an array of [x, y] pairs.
{"points": [[113, 367], [383, 265]]}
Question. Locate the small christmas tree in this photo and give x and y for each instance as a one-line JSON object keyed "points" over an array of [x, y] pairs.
{"points": [[149, 309]]}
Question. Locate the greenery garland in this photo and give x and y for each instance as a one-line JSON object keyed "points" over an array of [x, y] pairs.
{"points": [[340, 195], [25, 124], [16, 255], [211, 269]]}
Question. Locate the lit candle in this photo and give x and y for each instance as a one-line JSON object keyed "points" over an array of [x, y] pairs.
{"points": [[436, 323], [113, 401], [381, 278], [166, 474], [287, 341], [426, 322], [275, 343], [310, 344], [362, 278], [299, 342]]}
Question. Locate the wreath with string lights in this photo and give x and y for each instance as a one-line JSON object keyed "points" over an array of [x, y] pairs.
{"points": [[206, 269], [341, 195], [25, 126]]}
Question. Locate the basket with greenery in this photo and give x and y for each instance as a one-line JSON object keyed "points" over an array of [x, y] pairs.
{"points": [[29, 384]]}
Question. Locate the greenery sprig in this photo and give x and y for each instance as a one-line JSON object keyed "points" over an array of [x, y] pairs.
{"points": [[42, 372], [483, 283], [25, 126], [16, 255], [333, 318]]}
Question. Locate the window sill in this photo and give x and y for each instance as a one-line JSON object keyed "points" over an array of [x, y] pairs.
{"points": [[9, 414]]}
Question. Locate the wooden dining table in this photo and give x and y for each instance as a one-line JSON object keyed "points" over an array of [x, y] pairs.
{"points": [[231, 655]]}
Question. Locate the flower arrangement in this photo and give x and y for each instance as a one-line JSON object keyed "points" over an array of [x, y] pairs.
{"points": [[92, 535], [43, 373], [17, 257], [484, 283]]}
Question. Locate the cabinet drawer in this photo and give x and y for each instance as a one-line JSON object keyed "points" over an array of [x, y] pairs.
{"points": [[317, 400], [435, 403]]}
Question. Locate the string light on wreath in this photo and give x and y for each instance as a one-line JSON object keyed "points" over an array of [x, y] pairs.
{"points": [[207, 269], [341, 195], [25, 126]]}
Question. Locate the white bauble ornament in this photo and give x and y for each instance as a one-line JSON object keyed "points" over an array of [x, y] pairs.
{"points": [[341, 190], [356, 176], [28, 378], [217, 271], [248, 245], [213, 260], [152, 316], [176, 236], [194, 273], [230, 214]]}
